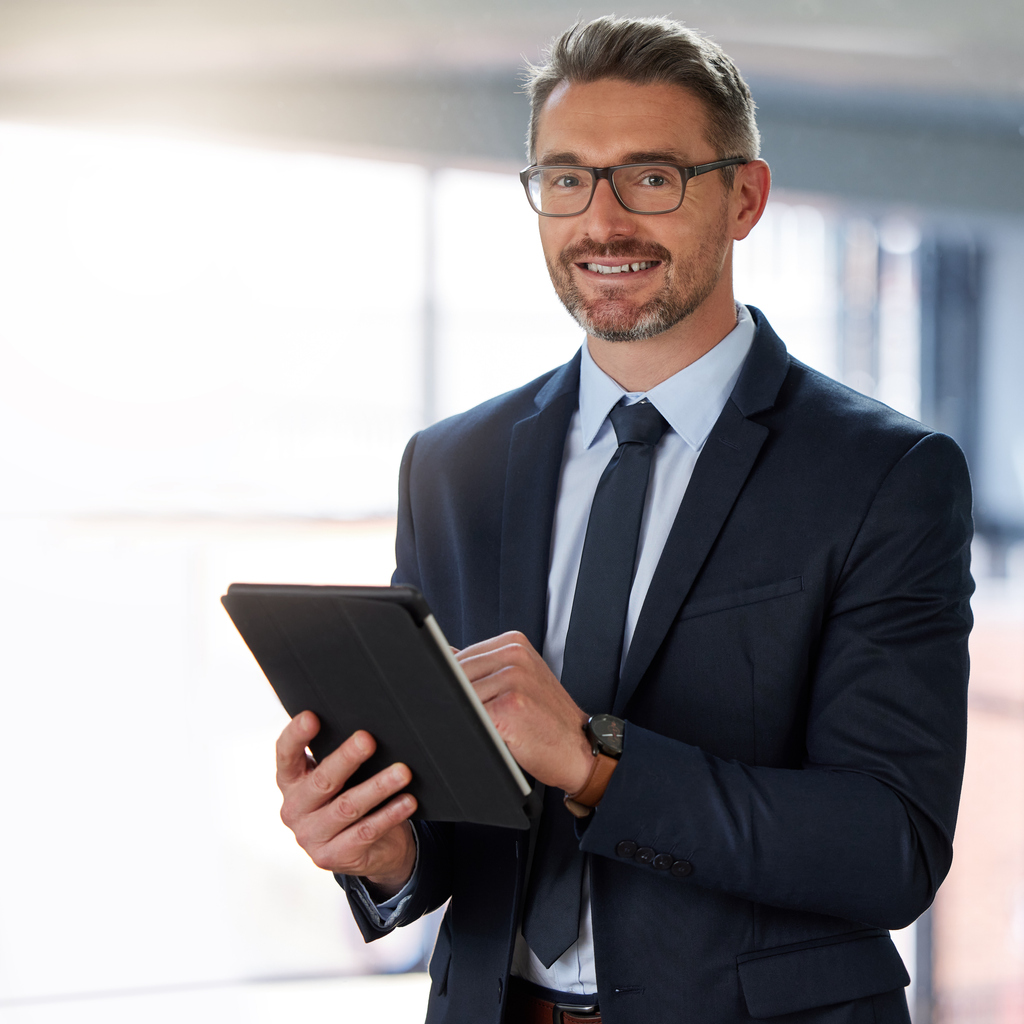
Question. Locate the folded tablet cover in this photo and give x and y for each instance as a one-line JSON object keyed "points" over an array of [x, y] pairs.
{"points": [[366, 658]]}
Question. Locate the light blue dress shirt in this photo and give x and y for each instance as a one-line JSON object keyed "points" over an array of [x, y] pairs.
{"points": [[691, 401]]}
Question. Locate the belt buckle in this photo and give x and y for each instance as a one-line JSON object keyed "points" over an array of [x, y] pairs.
{"points": [[559, 1010]]}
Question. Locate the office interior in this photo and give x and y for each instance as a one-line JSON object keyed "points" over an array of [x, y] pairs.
{"points": [[246, 250]]}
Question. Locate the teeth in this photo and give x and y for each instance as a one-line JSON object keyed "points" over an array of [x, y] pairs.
{"points": [[625, 268]]}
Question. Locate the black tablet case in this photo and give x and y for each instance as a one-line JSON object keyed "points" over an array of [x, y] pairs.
{"points": [[364, 658]]}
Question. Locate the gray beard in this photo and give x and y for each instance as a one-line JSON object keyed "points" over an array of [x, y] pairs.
{"points": [[674, 303]]}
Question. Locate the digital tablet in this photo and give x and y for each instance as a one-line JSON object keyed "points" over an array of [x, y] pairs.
{"points": [[374, 658]]}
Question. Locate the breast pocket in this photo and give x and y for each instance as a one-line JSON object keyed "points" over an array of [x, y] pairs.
{"points": [[730, 671], [738, 598]]}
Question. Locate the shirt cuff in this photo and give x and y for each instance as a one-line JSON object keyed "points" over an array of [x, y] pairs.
{"points": [[387, 914]]}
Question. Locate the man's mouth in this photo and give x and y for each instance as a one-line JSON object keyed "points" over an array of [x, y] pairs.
{"points": [[622, 268]]}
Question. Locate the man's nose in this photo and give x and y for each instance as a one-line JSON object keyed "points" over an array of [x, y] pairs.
{"points": [[606, 217]]}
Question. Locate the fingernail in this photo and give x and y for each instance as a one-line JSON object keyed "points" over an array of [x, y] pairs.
{"points": [[362, 742]]}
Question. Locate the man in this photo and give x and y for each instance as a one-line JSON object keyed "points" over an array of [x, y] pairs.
{"points": [[761, 576]]}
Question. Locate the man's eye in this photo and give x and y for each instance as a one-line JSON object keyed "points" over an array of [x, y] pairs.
{"points": [[567, 181], [653, 180]]}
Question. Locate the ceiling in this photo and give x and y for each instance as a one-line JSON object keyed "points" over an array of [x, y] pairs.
{"points": [[437, 78], [918, 45]]}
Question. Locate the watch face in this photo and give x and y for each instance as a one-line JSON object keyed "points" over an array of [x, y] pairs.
{"points": [[606, 731]]}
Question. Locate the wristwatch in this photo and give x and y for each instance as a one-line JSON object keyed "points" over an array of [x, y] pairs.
{"points": [[605, 734]]}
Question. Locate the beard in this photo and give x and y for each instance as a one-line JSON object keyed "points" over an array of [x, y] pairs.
{"points": [[613, 318]]}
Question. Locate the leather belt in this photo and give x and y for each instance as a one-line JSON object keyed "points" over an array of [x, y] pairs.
{"points": [[526, 1008]]}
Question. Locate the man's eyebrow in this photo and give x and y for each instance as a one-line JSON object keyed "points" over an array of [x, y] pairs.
{"points": [[654, 156], [572, 159], [639, 157]]}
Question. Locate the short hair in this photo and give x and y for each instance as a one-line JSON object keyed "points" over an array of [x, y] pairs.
{"points": [[646, 51]]}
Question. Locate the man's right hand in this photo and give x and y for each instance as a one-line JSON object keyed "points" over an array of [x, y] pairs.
{"points": [[337, 829]]}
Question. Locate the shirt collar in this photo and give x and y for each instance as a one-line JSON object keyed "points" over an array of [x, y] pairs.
{"points": [[690, 400]]}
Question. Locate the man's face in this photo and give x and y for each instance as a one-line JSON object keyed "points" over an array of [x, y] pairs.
{"points": [[615, 122]]}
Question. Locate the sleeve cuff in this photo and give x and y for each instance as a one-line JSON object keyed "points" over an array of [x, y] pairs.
{"points": [[386, 915]]}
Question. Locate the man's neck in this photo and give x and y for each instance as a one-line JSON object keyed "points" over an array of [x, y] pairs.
{"points": [[640, 365]]}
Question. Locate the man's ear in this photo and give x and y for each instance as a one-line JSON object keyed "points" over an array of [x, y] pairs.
{"points": [[749, 195]]}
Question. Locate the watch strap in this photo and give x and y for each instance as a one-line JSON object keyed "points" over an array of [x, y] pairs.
{"points": [[582, 802]]}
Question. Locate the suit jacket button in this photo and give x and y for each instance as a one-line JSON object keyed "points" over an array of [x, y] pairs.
{"points": [[626, 848], [662, 862], [644, 855], [682, 868]]}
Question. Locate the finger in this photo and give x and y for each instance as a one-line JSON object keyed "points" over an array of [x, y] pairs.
{"points": [[356, 803], [353, 846], [485, 663], [494, 684], [322, 784], [291, 747], [513, 637]]}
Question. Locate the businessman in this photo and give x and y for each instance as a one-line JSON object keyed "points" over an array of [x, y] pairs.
{"points": [[716, 603]]}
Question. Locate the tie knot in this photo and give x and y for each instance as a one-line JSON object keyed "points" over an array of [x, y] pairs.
{"points": [[640, 423]]}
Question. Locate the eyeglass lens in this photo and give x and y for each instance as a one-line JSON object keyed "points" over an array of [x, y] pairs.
{"points": [[645, 188]]}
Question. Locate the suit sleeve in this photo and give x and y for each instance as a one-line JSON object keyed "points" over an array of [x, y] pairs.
{"points": [[432, 887], [864, 829], [432, 882], [406, 562]]}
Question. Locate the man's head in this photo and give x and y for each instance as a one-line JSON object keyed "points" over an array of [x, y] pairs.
{"points": [[617, 92], [647, 51]]}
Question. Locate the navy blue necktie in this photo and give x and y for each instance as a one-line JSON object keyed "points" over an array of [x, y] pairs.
{"points": [[590, 668]]}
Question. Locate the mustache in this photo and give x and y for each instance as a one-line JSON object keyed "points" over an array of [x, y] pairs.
{"points": [[626, 249]]}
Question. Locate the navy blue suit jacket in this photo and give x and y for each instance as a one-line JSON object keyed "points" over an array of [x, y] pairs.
{"points": [[795, 699]]}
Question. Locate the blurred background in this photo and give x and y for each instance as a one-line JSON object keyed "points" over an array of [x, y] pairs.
{"points": [[246, 249]]}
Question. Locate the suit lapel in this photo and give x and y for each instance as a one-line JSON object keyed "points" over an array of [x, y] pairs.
{"points": [[531, 489], [722, 468], [718, 477]]}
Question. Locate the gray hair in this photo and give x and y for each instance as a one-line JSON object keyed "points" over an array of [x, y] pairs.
{"points": [[646, 51]]}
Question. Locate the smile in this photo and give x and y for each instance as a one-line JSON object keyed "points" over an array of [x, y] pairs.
{"points": [[624, 268]]}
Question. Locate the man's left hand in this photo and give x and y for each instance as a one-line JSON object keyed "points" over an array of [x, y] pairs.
{"points": [[533, 714]]}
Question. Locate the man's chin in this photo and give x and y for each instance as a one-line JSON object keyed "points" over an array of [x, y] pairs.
{"points": [[623, 325], [607, 332]]}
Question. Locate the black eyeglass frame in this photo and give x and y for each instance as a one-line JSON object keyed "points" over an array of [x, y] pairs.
{"points": [[606, 173]]}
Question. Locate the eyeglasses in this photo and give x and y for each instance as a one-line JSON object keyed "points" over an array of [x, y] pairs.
{"points": [[556, 190]]}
